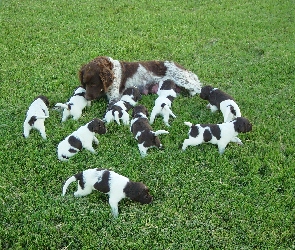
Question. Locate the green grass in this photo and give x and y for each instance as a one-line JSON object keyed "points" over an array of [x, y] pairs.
{"points": [[243, 199]]}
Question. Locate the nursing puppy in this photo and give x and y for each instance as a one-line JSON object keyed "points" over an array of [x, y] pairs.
{"points": [[219, 100], [81, 138], [220, 134], [143, 132], [120, 109], [163, 103], [36, 115], [74, 106], [111, 183]]}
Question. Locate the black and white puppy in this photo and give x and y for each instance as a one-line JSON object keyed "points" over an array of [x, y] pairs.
{"points": [[143, 132], [74, 106], [166, 94], [120, 109], [111, 183], [220, 134], [36, 115], [219, 100], [81, 138]]}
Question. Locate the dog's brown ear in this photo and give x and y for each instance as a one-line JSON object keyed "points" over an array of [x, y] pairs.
{"points": [[106, 73], [81, 73]]}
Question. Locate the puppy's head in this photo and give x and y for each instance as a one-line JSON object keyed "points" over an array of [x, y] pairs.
{"points": [[205, 92], [168, 84], [133, 92], [242, 125], [96, 77], [139, 192], [97, 126], [79, 90], [44, 99], [140, 109]]}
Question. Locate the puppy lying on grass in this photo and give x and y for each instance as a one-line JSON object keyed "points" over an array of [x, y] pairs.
{"points": [[74, 106], [143, 132], [81, 138], [219, 100], [36, 115], [220, 134], [111, 183]]}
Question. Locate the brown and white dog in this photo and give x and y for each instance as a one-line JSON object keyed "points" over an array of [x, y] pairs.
{"points": [[106, 76], [220, 134], [219, 100], [111, 183], [143, 132]]}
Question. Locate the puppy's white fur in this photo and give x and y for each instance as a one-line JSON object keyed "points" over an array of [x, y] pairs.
{"points": [[111, 183], [81, 138], [36, 115], [163, 102], [75, 105], [220, 134]]}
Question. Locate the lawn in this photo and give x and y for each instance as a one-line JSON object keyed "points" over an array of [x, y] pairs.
{"points": [[243, 199]]}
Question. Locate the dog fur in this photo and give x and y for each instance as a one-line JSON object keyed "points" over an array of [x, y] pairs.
{"points": [[220, 134], [74, 106], [111, 183], [143, 132], [106, 76], [36, 115], [219, 100], [166, 95], [81, 138], [120, 109]]}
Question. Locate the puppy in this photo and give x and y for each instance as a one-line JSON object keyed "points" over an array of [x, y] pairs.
{"points": [[142, 130], [111, 183], [120, 109], [163, 103], [36, 115], [220, 134], [219, 100], [81, 138], [74, 106]]}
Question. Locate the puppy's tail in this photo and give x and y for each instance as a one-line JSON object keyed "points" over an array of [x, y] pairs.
{"points": [[159, 132], [67, 183], [188, 124], [42, 117], [62, 105], [116, 117]]}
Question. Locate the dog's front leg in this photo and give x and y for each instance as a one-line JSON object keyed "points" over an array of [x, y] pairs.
{"points": [[95, 140]]}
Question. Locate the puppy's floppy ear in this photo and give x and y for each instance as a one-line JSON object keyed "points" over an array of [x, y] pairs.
{"points": [[105, 71], [81, 73]]}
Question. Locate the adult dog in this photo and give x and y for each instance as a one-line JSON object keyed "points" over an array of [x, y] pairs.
{"points": [[106, 76], [111, 183], [220, 134], [219, 100]]}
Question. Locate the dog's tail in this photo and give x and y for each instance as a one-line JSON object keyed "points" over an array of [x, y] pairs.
{"points": [[67, 183], [116, 117], [159, 132], [188, 124], [62, 105]]}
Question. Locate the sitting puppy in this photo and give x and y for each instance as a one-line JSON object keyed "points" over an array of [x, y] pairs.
{"points": [[75, 105], [219, 100], [36, 115], [81, 138], [220, 134], [111, 183], [120, 109], [142, 130], [166, 93]]}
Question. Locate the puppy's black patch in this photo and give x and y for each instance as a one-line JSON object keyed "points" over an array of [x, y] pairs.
{"points": [[71, 150], [194, 131], [44, 99], [64, 156], [215, 130], [232, 110], [70, 106], [32, 120], [167, 85], [207, 135], [74, 142], [80, 179], [103, 184], [163, 105], [171, 98], [44, 111]]}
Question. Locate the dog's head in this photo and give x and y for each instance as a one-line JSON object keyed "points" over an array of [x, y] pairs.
{"points": [[205, 92], [133, 93], [242, 125], [139, 192], [97, 126], [140, 109], [44, 99], [96, 77]]}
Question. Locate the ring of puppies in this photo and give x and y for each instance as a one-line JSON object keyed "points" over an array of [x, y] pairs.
{"points": [[114, 184]]}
